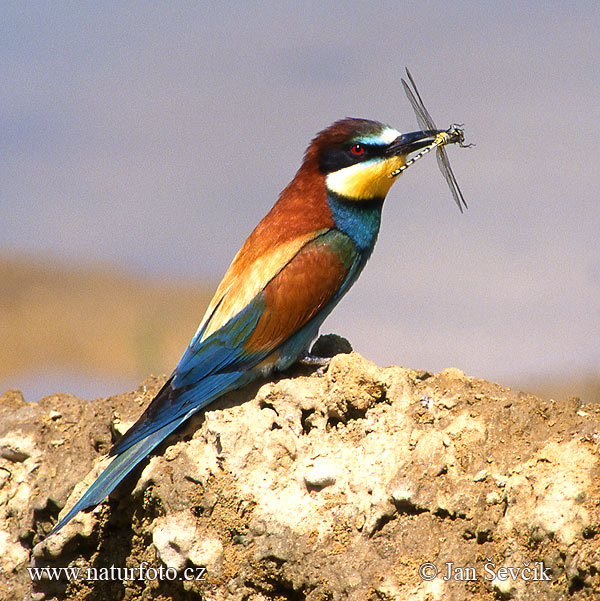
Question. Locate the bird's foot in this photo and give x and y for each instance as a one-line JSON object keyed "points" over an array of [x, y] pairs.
{"points": [[314, 360], [308, 359]]}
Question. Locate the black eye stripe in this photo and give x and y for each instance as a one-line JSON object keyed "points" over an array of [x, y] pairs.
{"points": [[339, 157]]}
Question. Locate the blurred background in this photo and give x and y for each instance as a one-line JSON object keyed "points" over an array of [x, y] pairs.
{"points": [[141, 142]]}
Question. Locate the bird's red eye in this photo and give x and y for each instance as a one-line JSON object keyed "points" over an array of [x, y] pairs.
{"points": [[357, 150]]}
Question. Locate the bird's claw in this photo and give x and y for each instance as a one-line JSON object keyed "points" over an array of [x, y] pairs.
{"points": [[315, 360]]}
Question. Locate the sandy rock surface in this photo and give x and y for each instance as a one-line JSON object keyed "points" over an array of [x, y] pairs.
{"points": [[359, 484]]}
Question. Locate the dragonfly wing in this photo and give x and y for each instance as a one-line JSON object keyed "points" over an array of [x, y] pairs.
{"points": [[444, 165], [424, 119]]}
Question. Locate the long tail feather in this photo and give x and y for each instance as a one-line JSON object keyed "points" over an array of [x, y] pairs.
{"points": [[117, 470]]}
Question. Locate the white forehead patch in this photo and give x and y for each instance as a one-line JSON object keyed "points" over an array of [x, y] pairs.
{"points": [[389, 134], [385, 137]]}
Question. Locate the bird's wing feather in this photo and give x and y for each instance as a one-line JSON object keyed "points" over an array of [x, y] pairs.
{"points": [[211, 366], [250, 271], [301, 290]]}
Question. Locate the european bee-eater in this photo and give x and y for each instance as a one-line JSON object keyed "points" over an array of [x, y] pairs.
{"points": [[288, 276]]}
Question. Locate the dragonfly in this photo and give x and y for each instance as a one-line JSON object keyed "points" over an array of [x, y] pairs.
{"points": [[453, 135]]}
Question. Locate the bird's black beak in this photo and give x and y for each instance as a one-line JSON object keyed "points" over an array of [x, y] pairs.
{"points": [[413, 141]]}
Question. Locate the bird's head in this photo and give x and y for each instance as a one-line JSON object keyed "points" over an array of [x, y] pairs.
{"points": [[357, 156]]}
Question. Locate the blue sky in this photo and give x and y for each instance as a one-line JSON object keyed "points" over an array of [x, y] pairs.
{"points": [[154, 136]]}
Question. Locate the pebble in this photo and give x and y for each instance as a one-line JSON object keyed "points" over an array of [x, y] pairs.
{"points": [[320, 475]]}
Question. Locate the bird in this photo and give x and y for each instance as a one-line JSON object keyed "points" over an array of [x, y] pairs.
{"points": [[290, 273]]}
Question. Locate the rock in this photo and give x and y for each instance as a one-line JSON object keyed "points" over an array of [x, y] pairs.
{"points": [[345, 485], [178, 541], [330, 345], [320, 475], [16, 446]]}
